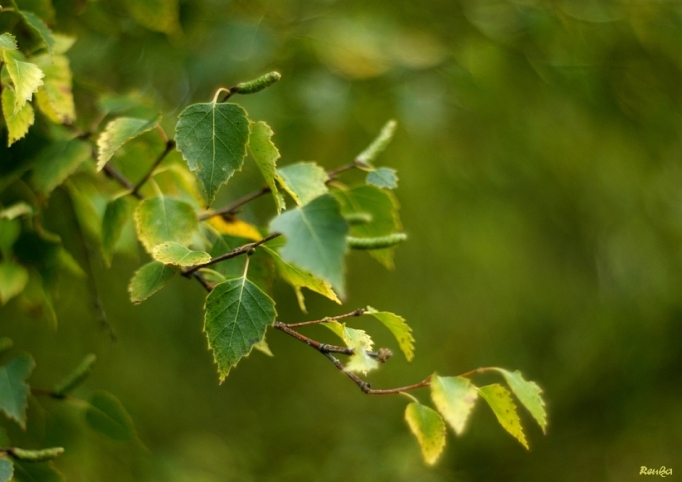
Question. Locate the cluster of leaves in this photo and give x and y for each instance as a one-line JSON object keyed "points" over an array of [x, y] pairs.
{"points": [[169, 211]]}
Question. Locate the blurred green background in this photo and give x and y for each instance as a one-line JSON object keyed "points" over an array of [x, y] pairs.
{"points": [[540, 162]]}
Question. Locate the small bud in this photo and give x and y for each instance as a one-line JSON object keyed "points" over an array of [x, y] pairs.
{"points": [[256, 85], [35, 455], [358, 218], [76, 377], [379, 242]]}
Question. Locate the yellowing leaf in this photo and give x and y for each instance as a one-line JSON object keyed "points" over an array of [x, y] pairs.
{"points": [[454, 398], [265, 154], [118, 132], [500, 401], [235, 227], [351, 337], [159, 219], [7, 42], [400, 329], [529, 394], [361, 362], [19, 122], [429, 429], [26, 77], [177, 255], [55, 97]]}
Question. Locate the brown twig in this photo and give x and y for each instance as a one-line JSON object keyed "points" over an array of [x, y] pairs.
{"points": [[327, 319], [114, 174], [234, 207], [170, 145]]}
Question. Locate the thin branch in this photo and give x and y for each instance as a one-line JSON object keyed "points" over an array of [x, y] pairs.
{"points": [[476, 371], [114, 174], [232, 254], [170, 144], [323, 348], [327, 319], [234, 207], [334, 173]]}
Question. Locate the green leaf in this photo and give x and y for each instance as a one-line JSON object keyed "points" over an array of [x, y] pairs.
{"points": [[106, 415], [177, 255], [148, 280], [316, 239], [26, 77], [261, 268], [118, 132], [87, 214], [383, 177], [57, 162], [400, 329], [304, 181], [352, 337], [159, 219], [13, 388], [429, 429], [500, 401], [39, 29], [212, 138], [454, 398], [361, 362], [116, 215], [378, 145], [42, 8], [6, 470], [55, 97], [157, 15], [529, 394], [37, 472], [13, 280], [19, 122], [265, 153], [8, 42], [382, 207], [299, 278], [237, 315]]}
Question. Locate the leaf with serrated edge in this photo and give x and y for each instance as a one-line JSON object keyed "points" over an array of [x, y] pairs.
{"points": [[400, 329], [57, 162], [148, 280], [316, 239], [237, 315], [500, 401], [383, 177], [55, 97], [19, 122], [177, 255], [8, 42], [361, 362], [37, 472], [454, 398], [106, 415], [26, 77], [299, 278], [265, 153], [263, 347], [382, 208], [38, 27], [117, 213], [528, 393], [13, 280], [6, 470], [429, 429], [352, 337], [118, 132], [13, 388], [159, 219], [212, 138], [304, 181]]}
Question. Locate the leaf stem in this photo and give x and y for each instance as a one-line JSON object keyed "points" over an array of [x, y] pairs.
{"points": [[327, 319], [113, 173], [234, 207], [476, 371], [170, 144]]}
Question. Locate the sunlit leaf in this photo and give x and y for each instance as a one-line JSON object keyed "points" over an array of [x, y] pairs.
{"points": [[175, 254], [316, 239], [429, 429], [26, 77], [106, 415], [400, 329], [500, 401], [237, 315], [13, 388], [55, 97], [13, 280], [19, 122], [212, 138], [118, 212], [265, 153], [352, 337], [161, 218], [149, 279], [263, 347], [454, 398], [297, 277], [7, 42], [37, 472], [304, 181], [382, 208], [118, 132], [57, 162], [361, 362], [384, 177], [528, 393]]}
